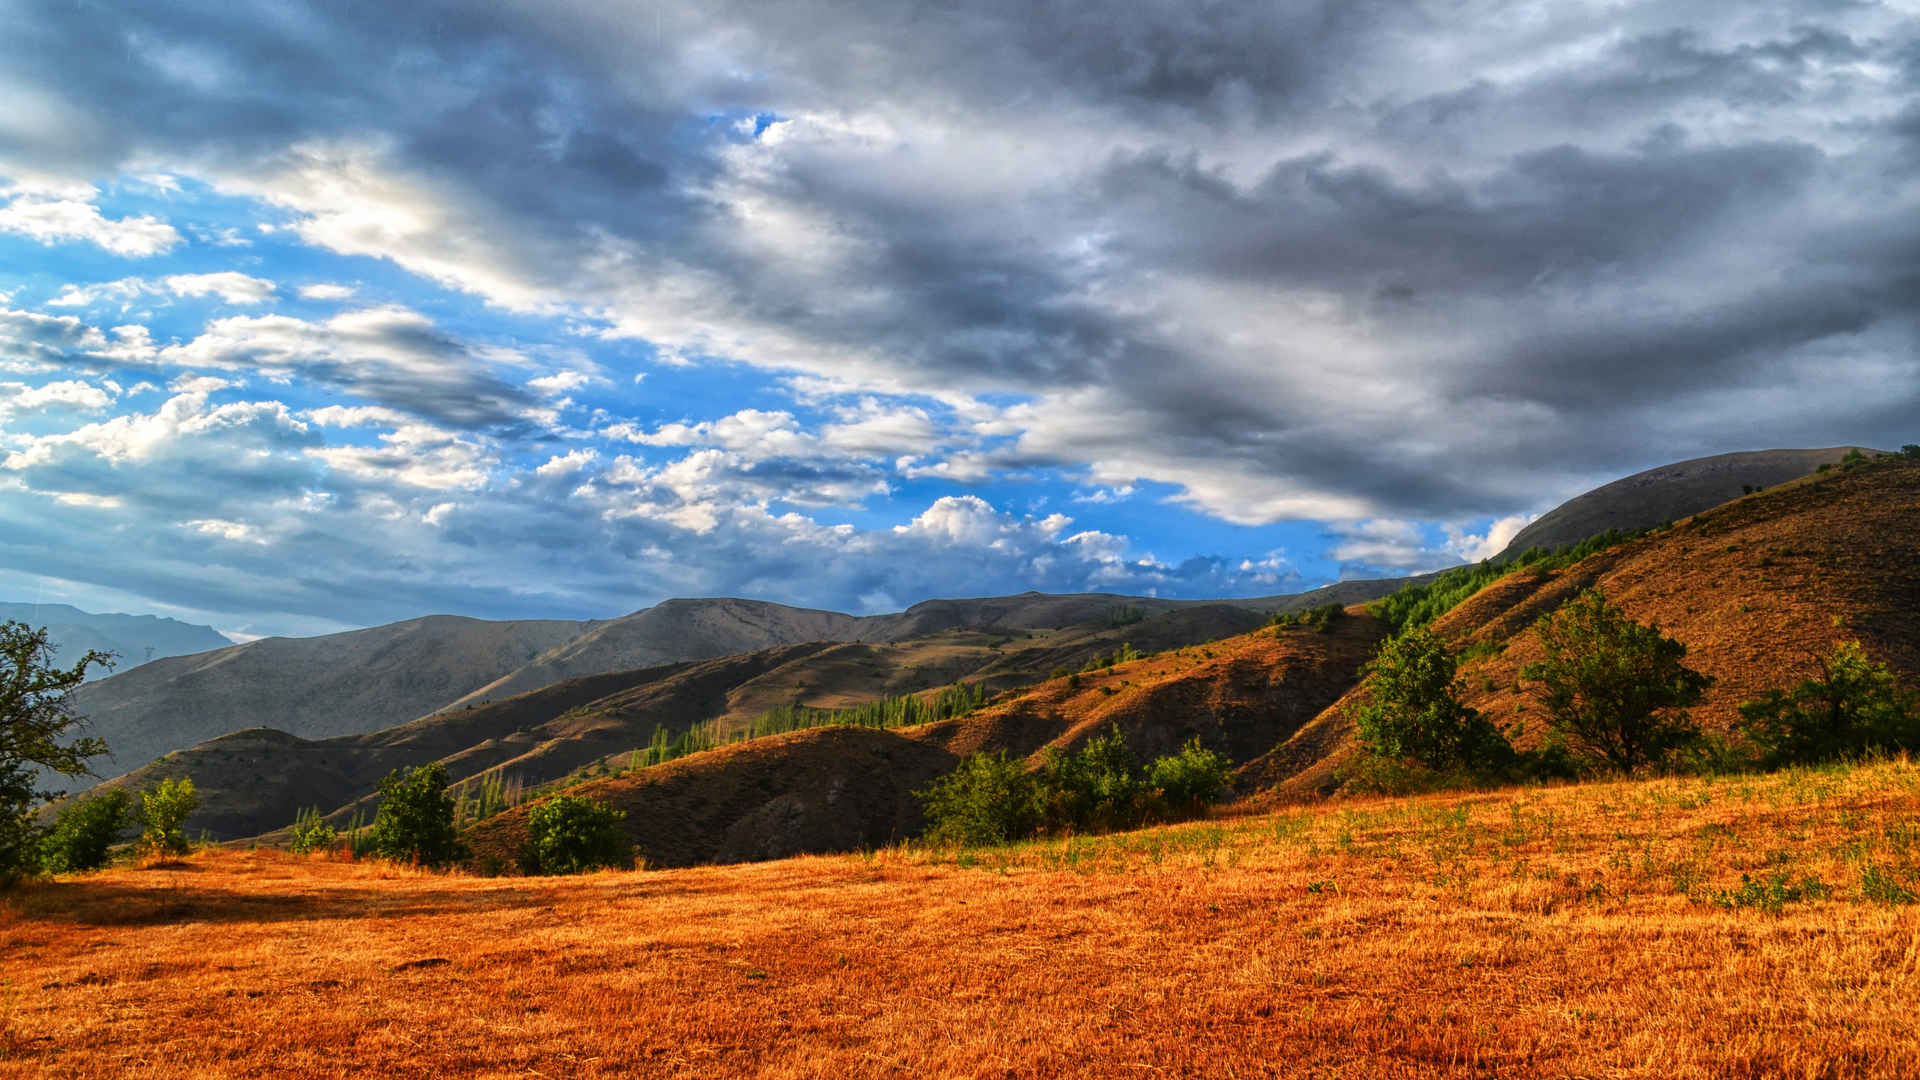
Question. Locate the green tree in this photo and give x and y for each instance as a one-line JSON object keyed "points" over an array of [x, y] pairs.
{"points": [[1190, 781], [163, 816], [36, 723], [1852, 706], [1414, 708], [989, 799], [571, 834], [1615, 690], [1094, 789], [415, 822], [311, 832], [85, 831]]}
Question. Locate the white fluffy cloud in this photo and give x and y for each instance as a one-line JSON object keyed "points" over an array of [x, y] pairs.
{"points": [[57, 220]]}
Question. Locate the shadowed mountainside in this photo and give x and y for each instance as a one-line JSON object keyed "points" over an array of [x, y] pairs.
{"points": [[310, 687], [840, 788], [1669, 493]]}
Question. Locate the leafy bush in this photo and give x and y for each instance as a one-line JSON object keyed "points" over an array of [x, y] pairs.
{"points": [[1190, 781], [1851, 707], [163, 816], [570, 834], [1320, 619], [85, 832], [1097, 788], [415, 820], [1615, 690], [989, 799], [1414, 708], [311, 832], [1911, 451]]}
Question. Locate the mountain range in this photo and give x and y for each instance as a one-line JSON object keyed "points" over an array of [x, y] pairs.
{"points": [[131, 639], [278, 725]]}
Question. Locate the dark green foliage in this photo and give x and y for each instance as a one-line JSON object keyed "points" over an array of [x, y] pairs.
{"points": [[1190, 781], [311, 832], [1095, 789], [1615, 691], [1418, 605], [415, 821], [1320, 619], [568, 834], [989, 799], [37, 726], [85, 832], [1772, 895], [1852, 707], [1414, 708], [1911, 451], [163, 816]]}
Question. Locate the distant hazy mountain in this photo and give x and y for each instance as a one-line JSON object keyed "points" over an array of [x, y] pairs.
{"points": [[1669, 493], [133, 639], [337, 684]]}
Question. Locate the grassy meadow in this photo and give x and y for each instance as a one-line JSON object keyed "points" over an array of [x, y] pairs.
{"points": [[1740, 926]]}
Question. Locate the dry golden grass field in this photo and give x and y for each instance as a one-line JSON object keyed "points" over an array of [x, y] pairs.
{"points": [[1592, 931]]}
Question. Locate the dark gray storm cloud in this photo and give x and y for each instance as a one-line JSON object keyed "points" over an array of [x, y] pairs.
{"points": [[1324, 260]]}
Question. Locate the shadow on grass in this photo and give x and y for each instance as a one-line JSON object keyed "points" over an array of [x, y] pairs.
{"points": [[97, 903]]}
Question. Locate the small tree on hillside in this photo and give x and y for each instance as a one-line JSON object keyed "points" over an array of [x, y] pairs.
{"points": [[989, 799], [85, 831], [1852, 706], [1414, 709], [36, 724], [415, 821], [1616, 690], [1094, 789], [163, 816], [570, 834]]}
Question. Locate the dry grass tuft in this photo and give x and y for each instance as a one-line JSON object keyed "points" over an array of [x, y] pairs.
{"points": [[1594, 930]]}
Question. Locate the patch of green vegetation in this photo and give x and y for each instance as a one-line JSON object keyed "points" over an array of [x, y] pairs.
{"points": [[1418, 605], [1318, 619], [992, 799], [1773, 894], [311, 832]]}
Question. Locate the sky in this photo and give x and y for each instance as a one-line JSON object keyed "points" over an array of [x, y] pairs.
{"points": [[318, 317]]}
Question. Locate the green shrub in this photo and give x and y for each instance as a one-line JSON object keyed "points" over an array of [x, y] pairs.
{"points": [[1853, 706], [1911, 451], [1320, 619], [570, 834], [1414, 708], [1094, 789], [163, 817], [311, 832], [415, 821], [989, 799], [85, 832], [1188, 782], [1616, 691]]}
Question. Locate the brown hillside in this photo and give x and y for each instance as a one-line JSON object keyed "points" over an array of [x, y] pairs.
{"points": [[840, 788], [826, 789], [1756, 589], [1239, 696], [254, 781]]}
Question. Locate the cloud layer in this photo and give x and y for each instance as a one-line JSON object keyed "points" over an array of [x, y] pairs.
{"points": [[1404, 273]]}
